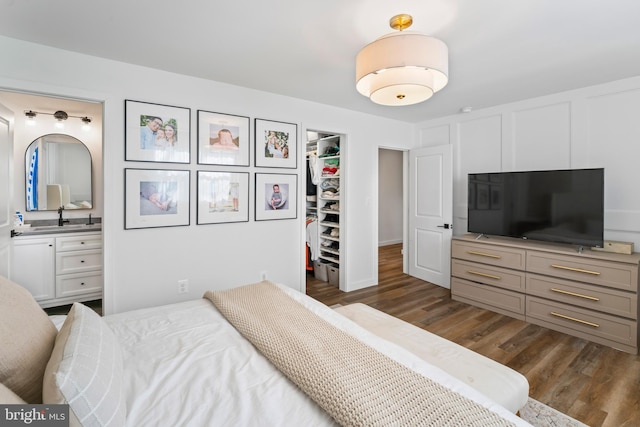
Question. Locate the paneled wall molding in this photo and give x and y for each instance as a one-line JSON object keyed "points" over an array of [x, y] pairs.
{"points": [[597, 126], [530, 138]]}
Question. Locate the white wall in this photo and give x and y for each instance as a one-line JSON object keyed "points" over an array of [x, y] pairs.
{"points": [[390, 207], [592, 127], [142, 266]]}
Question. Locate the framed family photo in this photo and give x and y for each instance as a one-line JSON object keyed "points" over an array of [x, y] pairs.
{"points": [[157, 133], [223, 197], [276, 196], [156, 198], [276, 144], [223, 139]]}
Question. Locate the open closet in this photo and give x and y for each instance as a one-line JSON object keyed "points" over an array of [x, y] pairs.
{"points": [[325, 206]]}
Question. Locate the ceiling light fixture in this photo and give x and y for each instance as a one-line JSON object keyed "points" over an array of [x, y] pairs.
{"points": [[86, 123], [31, 117], [60, 117], [402, 68]]}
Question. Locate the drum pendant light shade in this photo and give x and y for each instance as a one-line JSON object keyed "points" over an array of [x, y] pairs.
{"points": [[402, 68]]}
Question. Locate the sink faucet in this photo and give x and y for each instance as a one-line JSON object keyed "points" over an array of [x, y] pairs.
{"points": [[60, 220]]}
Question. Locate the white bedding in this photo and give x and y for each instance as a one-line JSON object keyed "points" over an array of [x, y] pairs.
{"points": [[184, 364]]}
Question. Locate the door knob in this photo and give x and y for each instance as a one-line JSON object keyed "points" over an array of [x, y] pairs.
{"points": [[447, 226]]}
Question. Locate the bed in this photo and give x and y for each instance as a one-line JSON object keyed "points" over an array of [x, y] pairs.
{"points": [[192, 364]]}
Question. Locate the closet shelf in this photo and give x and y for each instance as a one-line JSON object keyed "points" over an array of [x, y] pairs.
{"points": [[330, 224], [328, 258], [330, 251]]}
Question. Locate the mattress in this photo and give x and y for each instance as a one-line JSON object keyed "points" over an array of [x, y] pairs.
{"points": [[501, 383], [184, 364]]}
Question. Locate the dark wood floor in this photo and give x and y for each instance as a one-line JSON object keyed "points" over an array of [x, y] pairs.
{"points": [[590, 382]]}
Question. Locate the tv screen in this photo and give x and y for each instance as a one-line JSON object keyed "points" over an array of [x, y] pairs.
{"points": [[564, 206]]}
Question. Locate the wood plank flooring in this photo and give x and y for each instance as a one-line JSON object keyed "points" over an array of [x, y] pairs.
{"points": [[590, 382]]}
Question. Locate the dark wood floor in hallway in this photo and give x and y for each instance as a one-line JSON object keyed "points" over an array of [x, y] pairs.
{"points": [[590, 382]]}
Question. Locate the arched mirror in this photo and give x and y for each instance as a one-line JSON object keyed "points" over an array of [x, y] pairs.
{"points": [[58, 174]]}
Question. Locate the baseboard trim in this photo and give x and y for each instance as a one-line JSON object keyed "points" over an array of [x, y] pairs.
{"points": [[389, 242]]}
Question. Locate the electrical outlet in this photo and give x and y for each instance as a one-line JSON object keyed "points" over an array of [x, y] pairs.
{"points": [[263, 275], [183, 286]]}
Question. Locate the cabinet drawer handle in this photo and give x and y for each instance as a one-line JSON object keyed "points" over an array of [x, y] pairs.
{"points": [[484, 254], [81, 283], [560, 291], [490, 276], [81, 260], [579, 270], [584, 322]]}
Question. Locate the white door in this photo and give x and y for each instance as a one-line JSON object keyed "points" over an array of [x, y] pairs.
{"points": [[6, 182], [430, 214]]}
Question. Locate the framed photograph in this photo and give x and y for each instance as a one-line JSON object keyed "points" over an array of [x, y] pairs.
{"points": [[276, 196], [156, 198], [276, 144], [223, 197], [157, 133], [223, 139]]}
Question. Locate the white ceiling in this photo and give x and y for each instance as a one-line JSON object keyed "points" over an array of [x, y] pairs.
{"points": [[499, 50]]}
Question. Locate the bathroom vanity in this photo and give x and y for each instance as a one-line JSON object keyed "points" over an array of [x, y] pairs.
{"points": [[59, 264]]}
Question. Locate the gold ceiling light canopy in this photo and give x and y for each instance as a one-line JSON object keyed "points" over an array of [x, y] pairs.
{"points": [[402, 68], [401, 22]]}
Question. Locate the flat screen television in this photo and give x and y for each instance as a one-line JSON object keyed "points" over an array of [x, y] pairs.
{"points": [[564, 206]]}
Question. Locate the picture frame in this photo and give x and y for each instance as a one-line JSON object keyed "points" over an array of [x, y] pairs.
{"points": [[156, 198], [157, 132], [223, 197], [276, 144], [286, 203], [223, 139]]}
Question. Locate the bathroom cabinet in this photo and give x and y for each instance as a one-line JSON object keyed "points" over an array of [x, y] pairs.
{"points": [[59, 269]]}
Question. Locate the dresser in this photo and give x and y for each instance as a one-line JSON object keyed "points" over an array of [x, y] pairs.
{"points": [[591, 295]]}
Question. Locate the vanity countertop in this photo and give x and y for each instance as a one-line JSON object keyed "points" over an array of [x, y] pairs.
{"points": [[46, 227]]}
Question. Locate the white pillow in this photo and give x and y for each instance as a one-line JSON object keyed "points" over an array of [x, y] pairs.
{"points": [[8, 397], [85, 371]]}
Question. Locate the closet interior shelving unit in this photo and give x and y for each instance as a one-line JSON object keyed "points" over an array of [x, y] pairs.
{"points": [[325, 205]]}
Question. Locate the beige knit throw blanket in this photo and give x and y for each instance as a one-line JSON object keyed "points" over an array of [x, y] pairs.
{"points": [[355, 384]]}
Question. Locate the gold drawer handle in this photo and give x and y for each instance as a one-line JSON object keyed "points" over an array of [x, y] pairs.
{"points": [[484, 254], [560, 291], [579, 270], [584, 322], [490, 276]]}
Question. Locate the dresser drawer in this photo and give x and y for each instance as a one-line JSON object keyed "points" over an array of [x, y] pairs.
{"points": [[581, 322], [495, 299], [79, 283], [495, 276], [589, 270], [489, 254], [79, 261], [584, 295], [79, 242]]}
